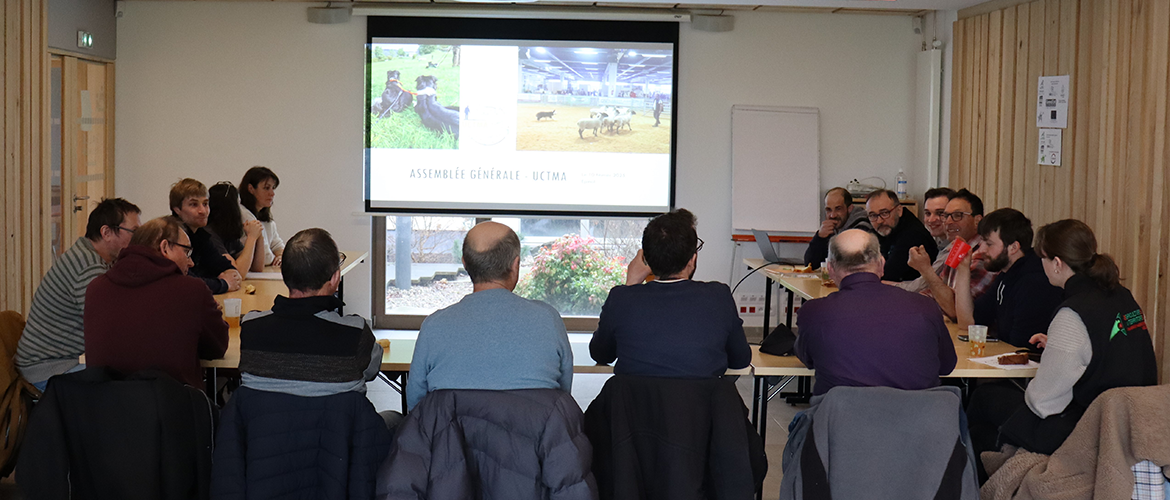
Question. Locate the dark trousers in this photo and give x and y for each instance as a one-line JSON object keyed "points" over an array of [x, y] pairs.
{"points": [[992, 404]]}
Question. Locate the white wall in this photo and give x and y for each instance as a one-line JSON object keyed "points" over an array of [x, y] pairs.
{"points": [[208, 89]]}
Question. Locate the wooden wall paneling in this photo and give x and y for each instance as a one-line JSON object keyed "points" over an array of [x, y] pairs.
{"points": [[45, 148], [1118, 159], [1078, 114], [991, 106], [1063, 200], [1159, 89], [1046, 209], [979, 132], [958, 70], [1095, 119], [1108, 104], [1032, 193], [958, 32], [968, 104], [1007, 102], [1019, 133], [11, 170], [1139, 128]]}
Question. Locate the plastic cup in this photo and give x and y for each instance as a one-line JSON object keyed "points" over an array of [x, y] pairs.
{"points": [[959, 251], [231, 311], [977, 334]]}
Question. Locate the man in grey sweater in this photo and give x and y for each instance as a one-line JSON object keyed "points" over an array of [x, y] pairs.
{"points": [[53, 336], [491, 339]]}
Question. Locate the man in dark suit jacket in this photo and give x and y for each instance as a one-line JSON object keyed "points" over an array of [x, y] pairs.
{"points": [[898, 231]]}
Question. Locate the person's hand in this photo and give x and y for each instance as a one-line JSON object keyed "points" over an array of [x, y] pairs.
{"points": [[638, 270], [253, 229], [920, 260], [233, 279], [276, 262], [828, 227], [1040, 339]]}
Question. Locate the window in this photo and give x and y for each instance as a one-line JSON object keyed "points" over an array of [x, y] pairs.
{"points": [[569, 263]]}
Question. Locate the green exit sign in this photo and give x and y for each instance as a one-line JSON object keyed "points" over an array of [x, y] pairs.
{"points": [[84, 40]]}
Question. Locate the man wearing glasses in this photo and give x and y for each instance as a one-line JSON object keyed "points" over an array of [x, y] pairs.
{"points": [[962, 215], [54, 336], [147, 314], [898, 231], [672, 326]]}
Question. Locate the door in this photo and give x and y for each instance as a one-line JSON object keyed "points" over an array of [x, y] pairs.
{"points": [[83, 152]]}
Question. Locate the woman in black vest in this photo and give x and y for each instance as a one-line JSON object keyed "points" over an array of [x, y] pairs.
{"points": [[1097, 340]]}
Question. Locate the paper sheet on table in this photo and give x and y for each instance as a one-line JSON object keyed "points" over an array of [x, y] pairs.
{"points": [[993, 361], [272, 276]]}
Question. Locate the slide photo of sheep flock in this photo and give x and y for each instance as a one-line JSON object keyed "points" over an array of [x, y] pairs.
{"points": [[414, 96], [594, 100]]}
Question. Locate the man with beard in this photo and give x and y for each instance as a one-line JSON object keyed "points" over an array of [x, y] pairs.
{"points": [[962, 215], [1020, 301], [898, 231], [672, 326], [840, 216]]}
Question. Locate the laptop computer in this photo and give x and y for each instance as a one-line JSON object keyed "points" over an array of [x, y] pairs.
{"points": [[766, 249]]}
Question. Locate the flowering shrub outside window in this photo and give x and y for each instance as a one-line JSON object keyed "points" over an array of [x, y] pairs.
{"points": [[573, 276]]}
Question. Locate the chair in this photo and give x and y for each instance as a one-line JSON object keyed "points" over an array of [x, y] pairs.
{"points": [[524, 444], [880, 442], [99, 434], [677, 439], [276, 445], [18, 396], [1122, 427]]}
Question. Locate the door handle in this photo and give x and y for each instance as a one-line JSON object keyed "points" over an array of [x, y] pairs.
{"points": [[79, 198]]}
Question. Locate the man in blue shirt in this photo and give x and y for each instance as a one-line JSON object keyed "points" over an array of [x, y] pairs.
{"points": [[868, 333], [492, 339], [672, 326]]}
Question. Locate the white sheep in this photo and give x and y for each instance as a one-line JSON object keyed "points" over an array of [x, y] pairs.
{"points": [[607, 123], [588, 123], [623, 120]]}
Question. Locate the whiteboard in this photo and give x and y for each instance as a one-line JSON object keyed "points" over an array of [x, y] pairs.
{"points": [[775, 169]]}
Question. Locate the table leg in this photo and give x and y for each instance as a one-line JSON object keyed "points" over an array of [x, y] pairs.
{"points": [[791, 296], [767, 306]]}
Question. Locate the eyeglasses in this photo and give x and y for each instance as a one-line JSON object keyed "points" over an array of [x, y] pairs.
{"points": [[700, 245], [341, 256], [186, 248], [956, 216], [125, 229], [884, 214]]}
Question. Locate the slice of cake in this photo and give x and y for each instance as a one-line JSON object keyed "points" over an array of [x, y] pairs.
{"points": [[1019, 358]]}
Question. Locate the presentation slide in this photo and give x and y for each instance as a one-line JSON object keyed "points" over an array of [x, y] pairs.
{"points": [[519, 126]]}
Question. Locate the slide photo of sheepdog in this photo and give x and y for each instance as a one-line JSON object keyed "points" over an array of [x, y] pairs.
{"points": [[414, 96], [594, 99]]}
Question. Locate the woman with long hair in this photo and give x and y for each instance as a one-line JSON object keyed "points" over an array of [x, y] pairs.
{"points": [[1097, 340], [239, 238], [257, 192]]}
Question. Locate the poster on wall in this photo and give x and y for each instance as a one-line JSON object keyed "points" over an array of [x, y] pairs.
{"points": [[1052, 102], [1050, 146]]}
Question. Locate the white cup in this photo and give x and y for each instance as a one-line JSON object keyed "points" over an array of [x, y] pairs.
{"points": [[977, 333], [231, 307]]}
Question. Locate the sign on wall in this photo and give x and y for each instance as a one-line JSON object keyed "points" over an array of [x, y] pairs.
{"points": [[1052, 102], [1050, 146]]}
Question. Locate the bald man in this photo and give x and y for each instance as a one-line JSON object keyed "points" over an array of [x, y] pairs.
{"points": [[491, 339], [868, 334]]}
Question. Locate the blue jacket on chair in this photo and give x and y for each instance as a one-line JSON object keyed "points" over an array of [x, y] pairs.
{"points": [[275, 445]]}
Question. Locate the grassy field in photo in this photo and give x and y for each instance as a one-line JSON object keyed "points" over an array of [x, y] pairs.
{"points": [[405, 129]]}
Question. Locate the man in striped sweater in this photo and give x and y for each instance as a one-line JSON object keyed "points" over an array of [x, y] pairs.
{"points": [[53, 337]]}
